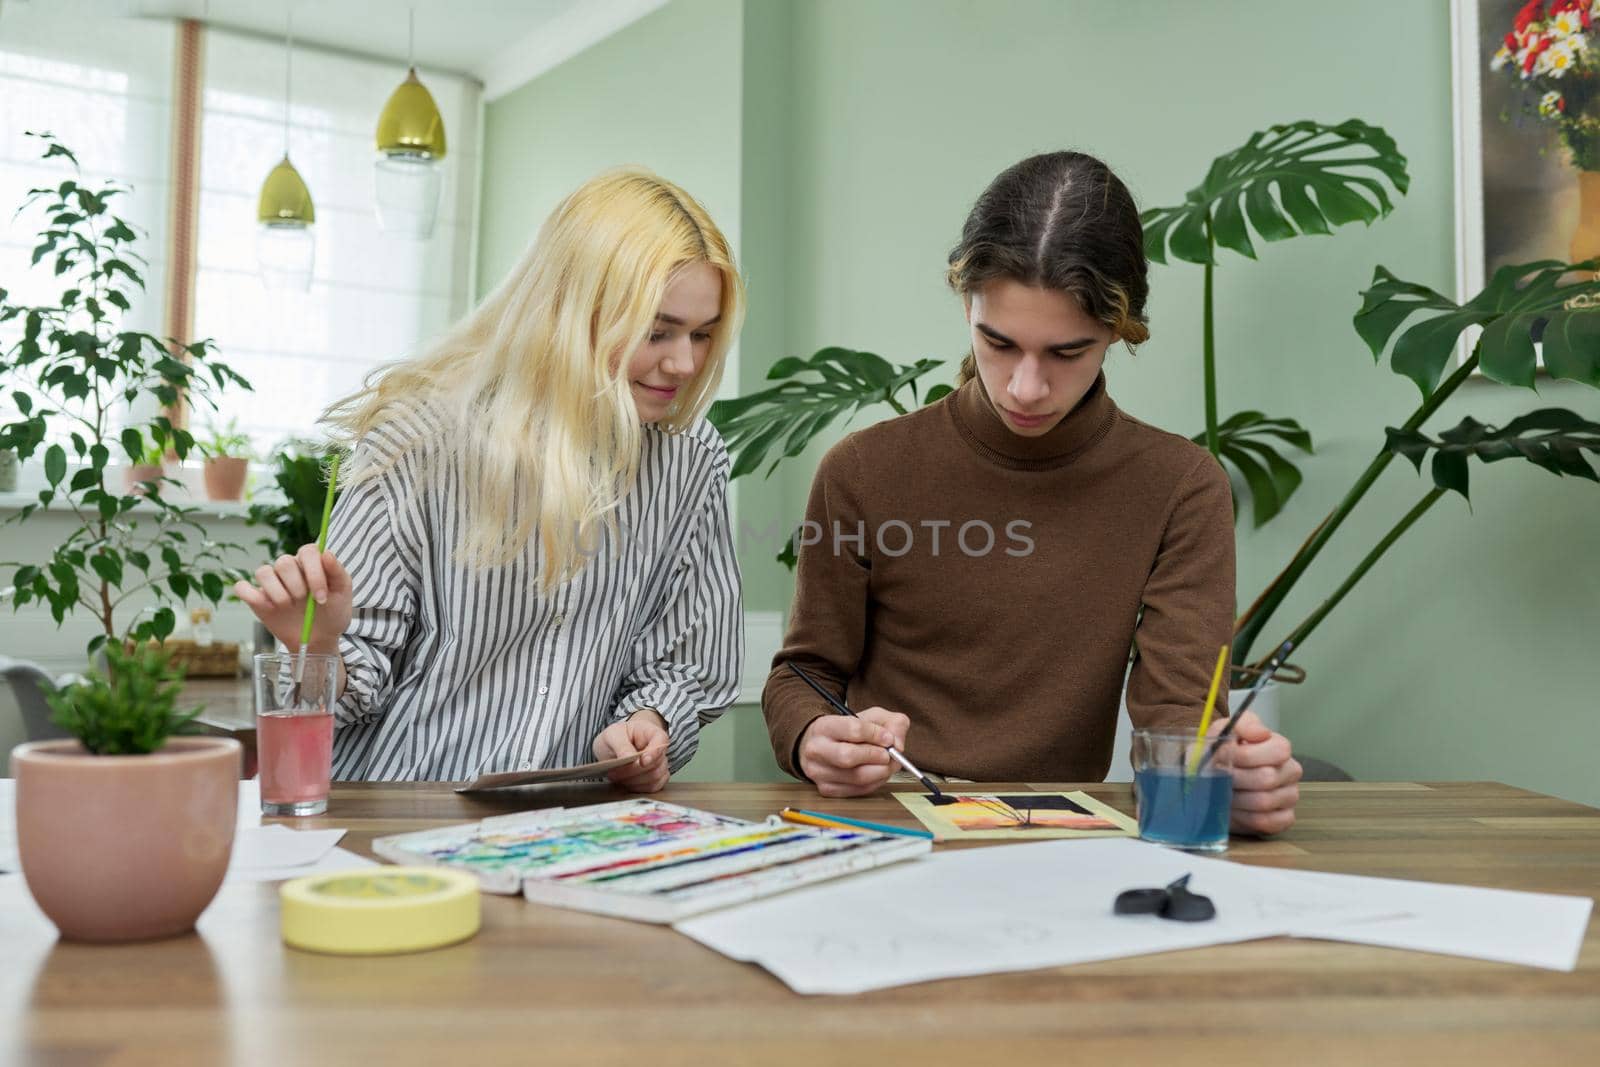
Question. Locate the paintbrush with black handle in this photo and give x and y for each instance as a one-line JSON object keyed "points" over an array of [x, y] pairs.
{"points": [[1249, 698], [839, 706]]}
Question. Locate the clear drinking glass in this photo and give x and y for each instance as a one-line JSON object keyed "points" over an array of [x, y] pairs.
{"points": [[294, 731], [1176, 807]]}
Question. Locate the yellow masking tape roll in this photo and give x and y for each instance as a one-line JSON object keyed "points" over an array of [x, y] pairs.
{"points": [[383, 910]]}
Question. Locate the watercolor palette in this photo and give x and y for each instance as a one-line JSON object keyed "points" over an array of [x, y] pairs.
{"points": [[645, 859]]}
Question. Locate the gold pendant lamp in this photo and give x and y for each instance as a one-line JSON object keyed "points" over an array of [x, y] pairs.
{"points": [[285, 244], [411, 150]]}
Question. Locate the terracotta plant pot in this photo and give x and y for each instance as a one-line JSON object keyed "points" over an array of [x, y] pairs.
{"points": [[125, 848], [224, 477], [142, 472]]}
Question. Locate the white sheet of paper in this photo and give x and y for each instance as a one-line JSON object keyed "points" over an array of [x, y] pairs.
{"points": [[1533, 929], [272, 847], [1006, 908], [249, 803], [335, 859]]}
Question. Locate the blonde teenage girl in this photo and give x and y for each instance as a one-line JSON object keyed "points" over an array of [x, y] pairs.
{"points": [[530, 564]]}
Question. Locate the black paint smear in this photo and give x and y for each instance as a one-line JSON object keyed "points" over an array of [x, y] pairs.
{"points": [[1020, 803], [1041, 803]]}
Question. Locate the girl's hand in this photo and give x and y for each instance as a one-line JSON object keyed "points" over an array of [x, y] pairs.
{"points": [[279, 598], [644, 732]]}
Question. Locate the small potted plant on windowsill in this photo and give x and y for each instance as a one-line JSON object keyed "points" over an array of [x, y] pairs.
{"points": [[147, 467], [124, 831], [227, 465]]}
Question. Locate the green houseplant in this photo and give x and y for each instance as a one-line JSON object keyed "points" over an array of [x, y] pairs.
{"points": [[812, 393], [130, 710], [299, 470], [1324, 176], [300, 473], [147, 465], [74, 378], [1419, 328], [124, 831], [227, 466]]}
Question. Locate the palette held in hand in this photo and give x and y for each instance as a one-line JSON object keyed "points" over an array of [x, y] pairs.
{"points": [[645, 859]]}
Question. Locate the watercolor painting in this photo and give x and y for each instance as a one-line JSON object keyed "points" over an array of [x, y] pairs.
{"points": [[1024, 813], [1018, 815], [531, 848]]}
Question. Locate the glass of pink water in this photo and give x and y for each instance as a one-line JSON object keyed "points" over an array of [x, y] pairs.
{"points": [[294, 731]]}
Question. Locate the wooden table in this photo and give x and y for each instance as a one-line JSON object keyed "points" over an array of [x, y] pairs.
{"points": [[541, 985], [228, 710]]}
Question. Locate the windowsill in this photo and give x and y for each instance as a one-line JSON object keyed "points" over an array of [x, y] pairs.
{"points": [[221, 509]]}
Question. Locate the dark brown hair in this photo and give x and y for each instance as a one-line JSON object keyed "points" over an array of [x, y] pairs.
{"points": [[1059, 221]]}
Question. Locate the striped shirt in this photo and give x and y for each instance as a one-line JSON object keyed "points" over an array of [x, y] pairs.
{"points": [[455, 671]]}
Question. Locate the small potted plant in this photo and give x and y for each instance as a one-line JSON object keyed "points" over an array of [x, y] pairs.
{"points": [[124, 831], [228, 456], [148, 466]]}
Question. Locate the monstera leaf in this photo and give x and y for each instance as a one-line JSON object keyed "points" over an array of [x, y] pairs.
{"points": [[1552, 438], [1248, 442], [1324, 176], [1522, 303], [812, 394]]}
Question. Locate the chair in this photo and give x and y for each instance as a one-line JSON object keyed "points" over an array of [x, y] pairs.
{"points": [[28, 683]]}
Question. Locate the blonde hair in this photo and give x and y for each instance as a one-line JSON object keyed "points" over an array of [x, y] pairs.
{"points": [[532, 386]]}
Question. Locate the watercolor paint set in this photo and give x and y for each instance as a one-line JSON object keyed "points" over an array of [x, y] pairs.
{"points": [[644, 859]]}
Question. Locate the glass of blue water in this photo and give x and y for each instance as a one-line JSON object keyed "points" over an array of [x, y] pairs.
{"points": [[1177, 808]]}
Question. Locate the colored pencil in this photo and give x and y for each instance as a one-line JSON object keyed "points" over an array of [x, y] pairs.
{"points": [[818, 818]]}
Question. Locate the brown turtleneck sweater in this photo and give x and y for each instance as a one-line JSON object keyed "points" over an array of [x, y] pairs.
{"points": [[1008, 650]]}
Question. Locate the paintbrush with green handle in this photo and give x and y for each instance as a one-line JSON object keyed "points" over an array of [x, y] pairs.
{"points": [[311, 602]]}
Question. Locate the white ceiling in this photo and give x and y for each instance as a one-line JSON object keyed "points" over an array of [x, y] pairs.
{"points": [[501, 43]]}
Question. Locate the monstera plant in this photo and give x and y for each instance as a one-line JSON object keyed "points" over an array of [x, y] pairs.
{"points": [[1324, 177], [1523, 306], [811, 394]]}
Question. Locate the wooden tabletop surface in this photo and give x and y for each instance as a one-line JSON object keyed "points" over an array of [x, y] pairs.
{"points": [[552, 987]]}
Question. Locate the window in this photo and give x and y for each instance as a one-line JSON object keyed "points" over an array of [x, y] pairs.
{"points": [[107, 97], [374, 298]]}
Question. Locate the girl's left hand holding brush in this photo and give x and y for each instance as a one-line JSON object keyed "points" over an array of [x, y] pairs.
{"points": [[1266, 777], [645, 732]]}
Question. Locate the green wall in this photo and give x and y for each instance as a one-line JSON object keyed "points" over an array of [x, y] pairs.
{"points": [[868, 127], [663, 92], [766, 503]]}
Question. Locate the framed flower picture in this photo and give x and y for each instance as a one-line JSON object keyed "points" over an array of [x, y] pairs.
{"points": [[1527, 133]]}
